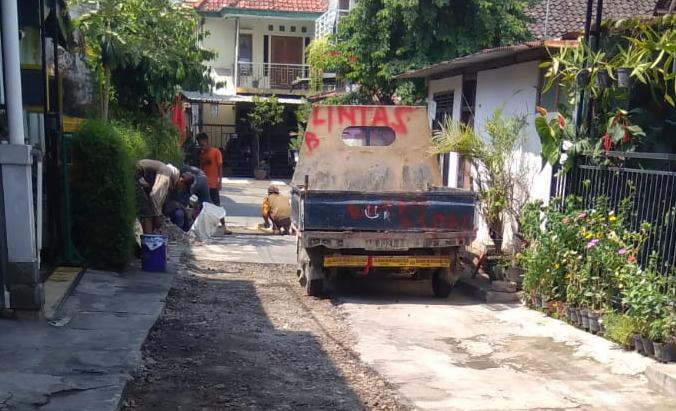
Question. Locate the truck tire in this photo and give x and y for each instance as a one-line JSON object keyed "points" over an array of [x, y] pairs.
{"points": [[441, 282], [312, 276], [443, 279]]}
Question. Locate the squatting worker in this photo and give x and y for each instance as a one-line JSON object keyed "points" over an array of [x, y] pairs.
{"points": [[277, 209], [177, 203], [154, 180], [199, 188], [211, 162]]}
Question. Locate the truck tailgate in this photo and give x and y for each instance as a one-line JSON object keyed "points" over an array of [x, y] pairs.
{"points": [[355, 211]]}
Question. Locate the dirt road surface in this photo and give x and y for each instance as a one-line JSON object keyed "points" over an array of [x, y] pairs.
{"points": [[241, 336]]}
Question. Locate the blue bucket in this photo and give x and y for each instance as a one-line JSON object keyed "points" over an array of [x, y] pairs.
{"points": [[154, 253]]}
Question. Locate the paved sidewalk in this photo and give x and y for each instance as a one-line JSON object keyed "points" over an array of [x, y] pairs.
{"points": [[242, 199], [83, 359]]}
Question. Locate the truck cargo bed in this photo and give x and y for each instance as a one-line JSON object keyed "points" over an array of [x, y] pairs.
{"points": [[432, 211]]}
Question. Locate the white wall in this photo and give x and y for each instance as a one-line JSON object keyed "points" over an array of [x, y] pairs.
{"points": [[258, 28], [443, 85], [222, 35], [221, 39], [514, 89]]}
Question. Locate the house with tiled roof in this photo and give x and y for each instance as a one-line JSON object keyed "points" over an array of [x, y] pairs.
{"points": [[261, 51], [471, 88]]}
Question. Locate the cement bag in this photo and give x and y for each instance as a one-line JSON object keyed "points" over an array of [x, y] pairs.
{"points": [[207, 221], [138, 232]]}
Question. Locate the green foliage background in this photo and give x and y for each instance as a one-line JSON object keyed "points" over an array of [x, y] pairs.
{"points": [[104, 205], [405, 34]]}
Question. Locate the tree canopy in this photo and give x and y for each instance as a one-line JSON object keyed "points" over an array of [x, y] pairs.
{"points": [[143, 51], [382, 38]]}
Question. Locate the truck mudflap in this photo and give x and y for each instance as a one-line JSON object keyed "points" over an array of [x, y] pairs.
{"points": [[403, 261]]}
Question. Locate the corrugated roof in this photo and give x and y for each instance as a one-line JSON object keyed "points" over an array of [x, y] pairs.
{"points": [[554, 18], [311, 6], [517, 53]]}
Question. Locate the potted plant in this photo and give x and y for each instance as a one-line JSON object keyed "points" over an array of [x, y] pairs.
{"points": [[497, 185], [619, 328], [660, 332], [583, 77], [261, 171], [266, 114], [630, 62], [603, 79]]}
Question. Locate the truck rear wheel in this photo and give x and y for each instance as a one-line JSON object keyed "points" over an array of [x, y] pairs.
{"points": [[441, 282], [312, 275]]}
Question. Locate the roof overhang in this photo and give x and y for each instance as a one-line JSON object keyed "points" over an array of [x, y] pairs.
{"points": [[490, 59], [240, 12], [197, 97]]}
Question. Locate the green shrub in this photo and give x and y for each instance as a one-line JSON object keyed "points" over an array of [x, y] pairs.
{"points": [[133, 139], [103, 196], [162, 140], [619, 328]]}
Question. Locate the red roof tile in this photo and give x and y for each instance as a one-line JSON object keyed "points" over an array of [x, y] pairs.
{"points": [[555, 18], [313, 6]]}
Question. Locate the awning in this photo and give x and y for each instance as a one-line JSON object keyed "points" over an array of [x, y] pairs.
{"points": [[197, 97], [490, 58]]}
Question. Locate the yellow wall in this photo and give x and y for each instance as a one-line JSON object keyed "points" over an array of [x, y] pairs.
{"points": [[222, 35], [218, 114]]}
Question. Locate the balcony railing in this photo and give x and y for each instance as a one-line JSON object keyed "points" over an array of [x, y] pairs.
{"points": [[327, 23], [270, 75]]}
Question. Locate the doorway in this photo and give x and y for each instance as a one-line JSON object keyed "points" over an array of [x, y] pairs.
{"points": [[286, 56]]}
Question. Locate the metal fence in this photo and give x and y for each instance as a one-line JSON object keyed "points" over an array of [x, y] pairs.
{"points": [[270, 75], [648, 179]]}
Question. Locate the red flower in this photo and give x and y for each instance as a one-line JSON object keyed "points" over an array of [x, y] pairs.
{"points": [[607, 142], [562, 121], [631, 258]]}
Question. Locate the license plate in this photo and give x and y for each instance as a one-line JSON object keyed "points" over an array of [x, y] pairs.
{"points": [[387, 244]]}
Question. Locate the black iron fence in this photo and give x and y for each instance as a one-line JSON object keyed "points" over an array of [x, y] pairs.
{"points": [[647, 179]]}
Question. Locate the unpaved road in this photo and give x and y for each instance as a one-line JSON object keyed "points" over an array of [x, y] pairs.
{"points": [[238, 335], [241, 336]]}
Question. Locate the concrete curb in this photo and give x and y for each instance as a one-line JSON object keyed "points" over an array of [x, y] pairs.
{"points": [[662, 376]]}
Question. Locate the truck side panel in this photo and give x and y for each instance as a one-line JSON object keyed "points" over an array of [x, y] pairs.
{"points": [[349, 211]]}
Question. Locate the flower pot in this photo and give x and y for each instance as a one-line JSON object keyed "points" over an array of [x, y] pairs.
{"points": [[569, 314], [574, 319], [669, 351], [537, 301], [515, 274], [658, 349], [584, 318], [602, 79], [638, 343], [593, 319], [260, 173], [624, 77], [648, 347], [583, 78]]}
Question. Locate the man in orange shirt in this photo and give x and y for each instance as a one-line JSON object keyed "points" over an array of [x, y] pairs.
{"points": [[211, 162]]}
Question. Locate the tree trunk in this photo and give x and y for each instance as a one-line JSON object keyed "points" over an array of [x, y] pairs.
{"points": [[105, 95]]}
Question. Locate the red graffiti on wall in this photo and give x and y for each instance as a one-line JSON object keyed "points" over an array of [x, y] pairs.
{"points": [[311, 140], [347, 116]]}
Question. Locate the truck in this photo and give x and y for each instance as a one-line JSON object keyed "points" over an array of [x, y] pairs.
{"points": [[368, 200]]}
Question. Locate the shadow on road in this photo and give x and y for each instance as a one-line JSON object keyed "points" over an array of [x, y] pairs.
{"points": [[385, 291], [215, 348]]}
